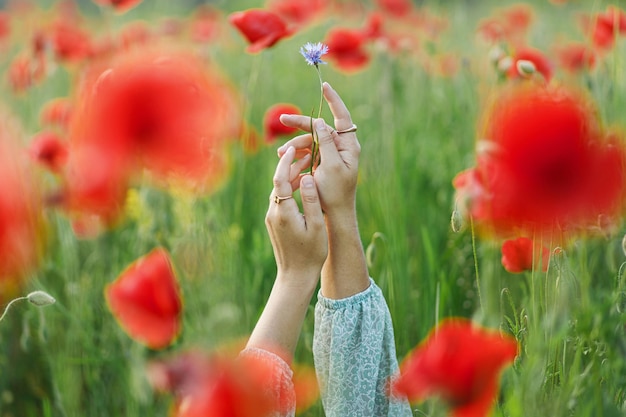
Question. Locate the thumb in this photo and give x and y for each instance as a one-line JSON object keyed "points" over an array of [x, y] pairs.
{"points": [[311, 202], [328, 149]]}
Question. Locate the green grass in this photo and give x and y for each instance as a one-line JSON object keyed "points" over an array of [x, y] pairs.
{"points": [[417, 131]]}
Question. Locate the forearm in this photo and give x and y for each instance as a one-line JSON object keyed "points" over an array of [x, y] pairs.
{"points": [[345, 270], [278, 328]]}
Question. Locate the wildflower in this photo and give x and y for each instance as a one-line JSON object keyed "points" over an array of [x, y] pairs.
{"points": [[56, 112], [40, 298], [120, 6], [167, 114], [205, 24], [21, 222], [48, 149], [575, 57], [459, 362], [300, 12], [145, 299], [272, 125], [522, 254], [69, 42], [219, 385], [346, 47], [313, 52], [261, 28], [527, 57], [37, 298], [396, 8], [548, 166]]}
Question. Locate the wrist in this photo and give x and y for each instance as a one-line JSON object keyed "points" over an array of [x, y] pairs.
{"points": [[299, 283]]}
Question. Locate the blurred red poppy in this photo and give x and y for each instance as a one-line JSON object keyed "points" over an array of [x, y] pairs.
{"points": [[272, 126], [217, 385], [346, 48], [56, 112], [168, 114], [49, 149], [541, 62], [120, 6], [396, 8], [21, 222], [545, 164], [522, 254], [261, 28], [5, 25], [300, 12], [575, 57], [69, 42], [145, 300], [205, 24], [459, 362]]}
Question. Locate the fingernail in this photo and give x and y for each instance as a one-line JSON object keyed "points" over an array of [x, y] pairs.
{"points": [[327, 85], [307, 181], [280, 149], [320, 124], [306, 157]]}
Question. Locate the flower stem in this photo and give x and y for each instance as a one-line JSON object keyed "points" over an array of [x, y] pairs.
{"points": [[315, 144], [6, 309]]}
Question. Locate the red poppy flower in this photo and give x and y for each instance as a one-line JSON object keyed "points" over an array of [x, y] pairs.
{"points": [[396, 8], [522, 254], [48, 149], [300, 12], [5, 25], [21, 225], [145, 299], [599, 28], [169, 114], [272, 125], [616, 17], [120, 6], [205, 25], [56, 112], [96, 179], [575, 57], [459, 362], [517, 19], [346, 48], [491, 29], [541, 62], [545, 164], [69, 42], [261, 28], [20, 73], [217, 385]]}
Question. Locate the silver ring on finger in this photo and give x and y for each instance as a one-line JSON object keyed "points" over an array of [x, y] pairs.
{"points": [[348, 130]]}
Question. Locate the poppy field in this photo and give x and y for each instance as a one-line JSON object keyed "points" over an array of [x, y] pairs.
{"points": [[138, 140]]}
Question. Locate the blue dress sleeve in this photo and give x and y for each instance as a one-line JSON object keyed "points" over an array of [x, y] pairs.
{"points": [[355, 356]]}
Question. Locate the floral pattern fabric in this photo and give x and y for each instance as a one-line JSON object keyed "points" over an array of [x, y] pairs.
{"points": [[355, 356]]}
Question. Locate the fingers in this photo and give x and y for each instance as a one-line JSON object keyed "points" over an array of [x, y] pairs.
{"points": [[296, 168], [340, 112], [328, 149], [296, 120], [314, 218], [302, 144], [282, 178]]}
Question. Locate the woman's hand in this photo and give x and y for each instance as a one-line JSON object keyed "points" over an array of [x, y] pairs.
{"points": [[336, 175], [300, 248], [298, 239]]}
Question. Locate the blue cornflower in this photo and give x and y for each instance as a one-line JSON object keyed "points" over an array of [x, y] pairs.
{"points": [[312, 52]]}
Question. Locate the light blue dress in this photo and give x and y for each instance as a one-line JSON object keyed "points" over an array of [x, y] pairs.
{"points": [[355, 358]]}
